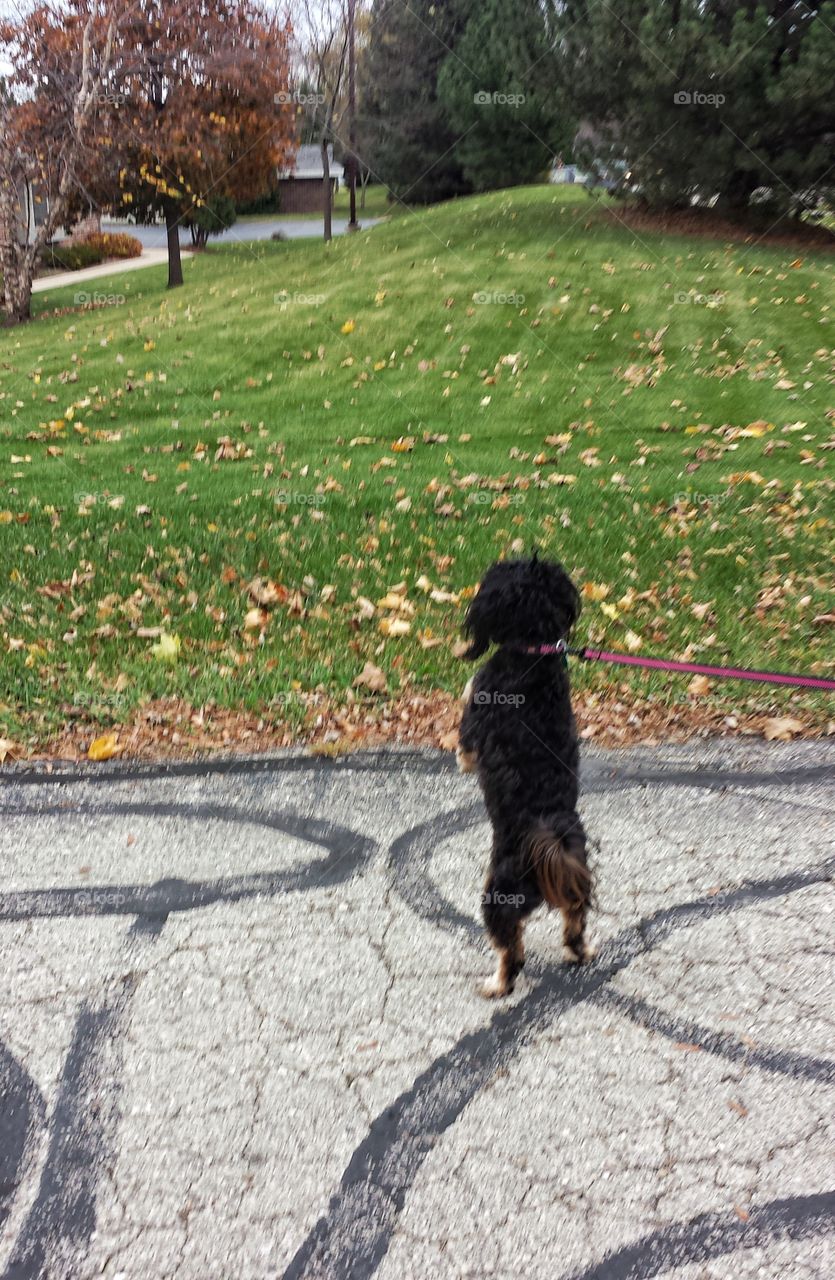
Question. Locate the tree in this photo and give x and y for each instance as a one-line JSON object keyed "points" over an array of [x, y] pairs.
{"points": [[324, 53], [60, 63], [497, 85], [726, 99], [196, 111], [214, 216], [406, 135]]}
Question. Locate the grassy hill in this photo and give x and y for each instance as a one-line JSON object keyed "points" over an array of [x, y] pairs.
{"points": [[402, 407]]}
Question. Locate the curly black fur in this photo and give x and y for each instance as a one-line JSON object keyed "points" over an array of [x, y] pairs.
{"points": [[518, 732]]}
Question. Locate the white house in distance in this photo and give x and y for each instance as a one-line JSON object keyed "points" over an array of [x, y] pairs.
{"points": [[301, 184]]}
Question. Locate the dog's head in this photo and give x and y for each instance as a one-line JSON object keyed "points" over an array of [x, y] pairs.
{"points": [[521, 602]]}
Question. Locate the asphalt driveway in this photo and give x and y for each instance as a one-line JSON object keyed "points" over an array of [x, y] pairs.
{"points": [[240, 1035]]}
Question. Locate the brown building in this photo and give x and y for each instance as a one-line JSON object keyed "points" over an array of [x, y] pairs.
{"points": [[301, 188]]}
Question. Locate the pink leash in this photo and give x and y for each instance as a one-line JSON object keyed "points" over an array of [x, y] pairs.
{"points": [[701, 669]]}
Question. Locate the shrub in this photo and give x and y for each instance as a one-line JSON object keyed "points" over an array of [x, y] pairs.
{"points": [[69, 256], [114, 244]]}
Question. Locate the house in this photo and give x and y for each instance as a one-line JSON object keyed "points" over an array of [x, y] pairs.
{"points": [[301, 185]]}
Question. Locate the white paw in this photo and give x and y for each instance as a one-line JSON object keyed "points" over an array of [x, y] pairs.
{"points": [[492, 989], [468, 690], [571, 958]]}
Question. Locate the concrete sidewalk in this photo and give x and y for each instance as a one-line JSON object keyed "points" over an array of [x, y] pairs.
{"points": [[240, 1035], [148, 258]]}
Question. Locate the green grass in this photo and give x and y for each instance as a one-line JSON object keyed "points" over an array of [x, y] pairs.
{"points": [[128, 404]]}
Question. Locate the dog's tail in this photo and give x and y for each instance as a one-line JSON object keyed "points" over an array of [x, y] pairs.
{"points": [[557, 853]]}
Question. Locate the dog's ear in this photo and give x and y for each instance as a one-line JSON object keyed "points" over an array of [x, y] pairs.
{"points": [[485, 616]]}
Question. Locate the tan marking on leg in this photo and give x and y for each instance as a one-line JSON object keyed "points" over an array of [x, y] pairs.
{"points": [[467, 760], [510, 961]]}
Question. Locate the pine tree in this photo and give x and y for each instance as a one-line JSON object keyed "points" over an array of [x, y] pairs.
{"points": [[404, 128], [497, 85], [706, 98]]}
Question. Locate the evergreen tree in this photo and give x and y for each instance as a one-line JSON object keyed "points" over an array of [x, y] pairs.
{"points": [[404, 128], [498, 88], [706, 98]]}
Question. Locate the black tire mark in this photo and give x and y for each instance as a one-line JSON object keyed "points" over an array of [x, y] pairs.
{"points": [[597, 773], [347, 851], [681, 1030], [61, 1222], [21, 1118], [83, 1125], [350, 1241], [712, 1235]]}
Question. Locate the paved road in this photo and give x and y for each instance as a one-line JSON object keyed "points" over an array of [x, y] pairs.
{"points": [[240, 1036], [262, 229]]}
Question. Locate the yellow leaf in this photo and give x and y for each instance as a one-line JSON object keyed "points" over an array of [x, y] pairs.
{"points": [[595, 590], [104, 748], [348, 327], [167, 648], [395, 627]]}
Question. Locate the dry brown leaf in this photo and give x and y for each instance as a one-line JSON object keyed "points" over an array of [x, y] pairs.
{"points": [[373, 678], [781, 728], [699, 686]]}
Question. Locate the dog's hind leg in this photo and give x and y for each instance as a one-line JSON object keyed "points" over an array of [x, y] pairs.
{"points": [[504, 919]]}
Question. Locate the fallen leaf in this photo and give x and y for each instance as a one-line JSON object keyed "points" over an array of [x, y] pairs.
{"points": [[373, 678], [699, 686], [104, 748], [395, 627], [167, 649], [781, 728], [8, 750]]}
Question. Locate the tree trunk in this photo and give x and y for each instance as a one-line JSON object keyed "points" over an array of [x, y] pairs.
{"points": [[326, 192], [17, 293], [175, 266], [17, 262]]}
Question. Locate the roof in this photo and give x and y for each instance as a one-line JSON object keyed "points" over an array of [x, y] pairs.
{"points": [[308, 164]]}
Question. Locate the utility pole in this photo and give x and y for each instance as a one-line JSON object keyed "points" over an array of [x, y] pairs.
{"points": [[353, 225]]}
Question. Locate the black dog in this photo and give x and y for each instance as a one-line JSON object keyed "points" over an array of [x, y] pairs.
{"points": [[518, 733]]}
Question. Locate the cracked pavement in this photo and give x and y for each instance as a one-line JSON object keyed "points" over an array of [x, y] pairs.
{"points": [[240, 1034]]}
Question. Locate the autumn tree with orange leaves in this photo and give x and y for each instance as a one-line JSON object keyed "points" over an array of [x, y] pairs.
{"points": [[197, 109], [142, 107]]}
